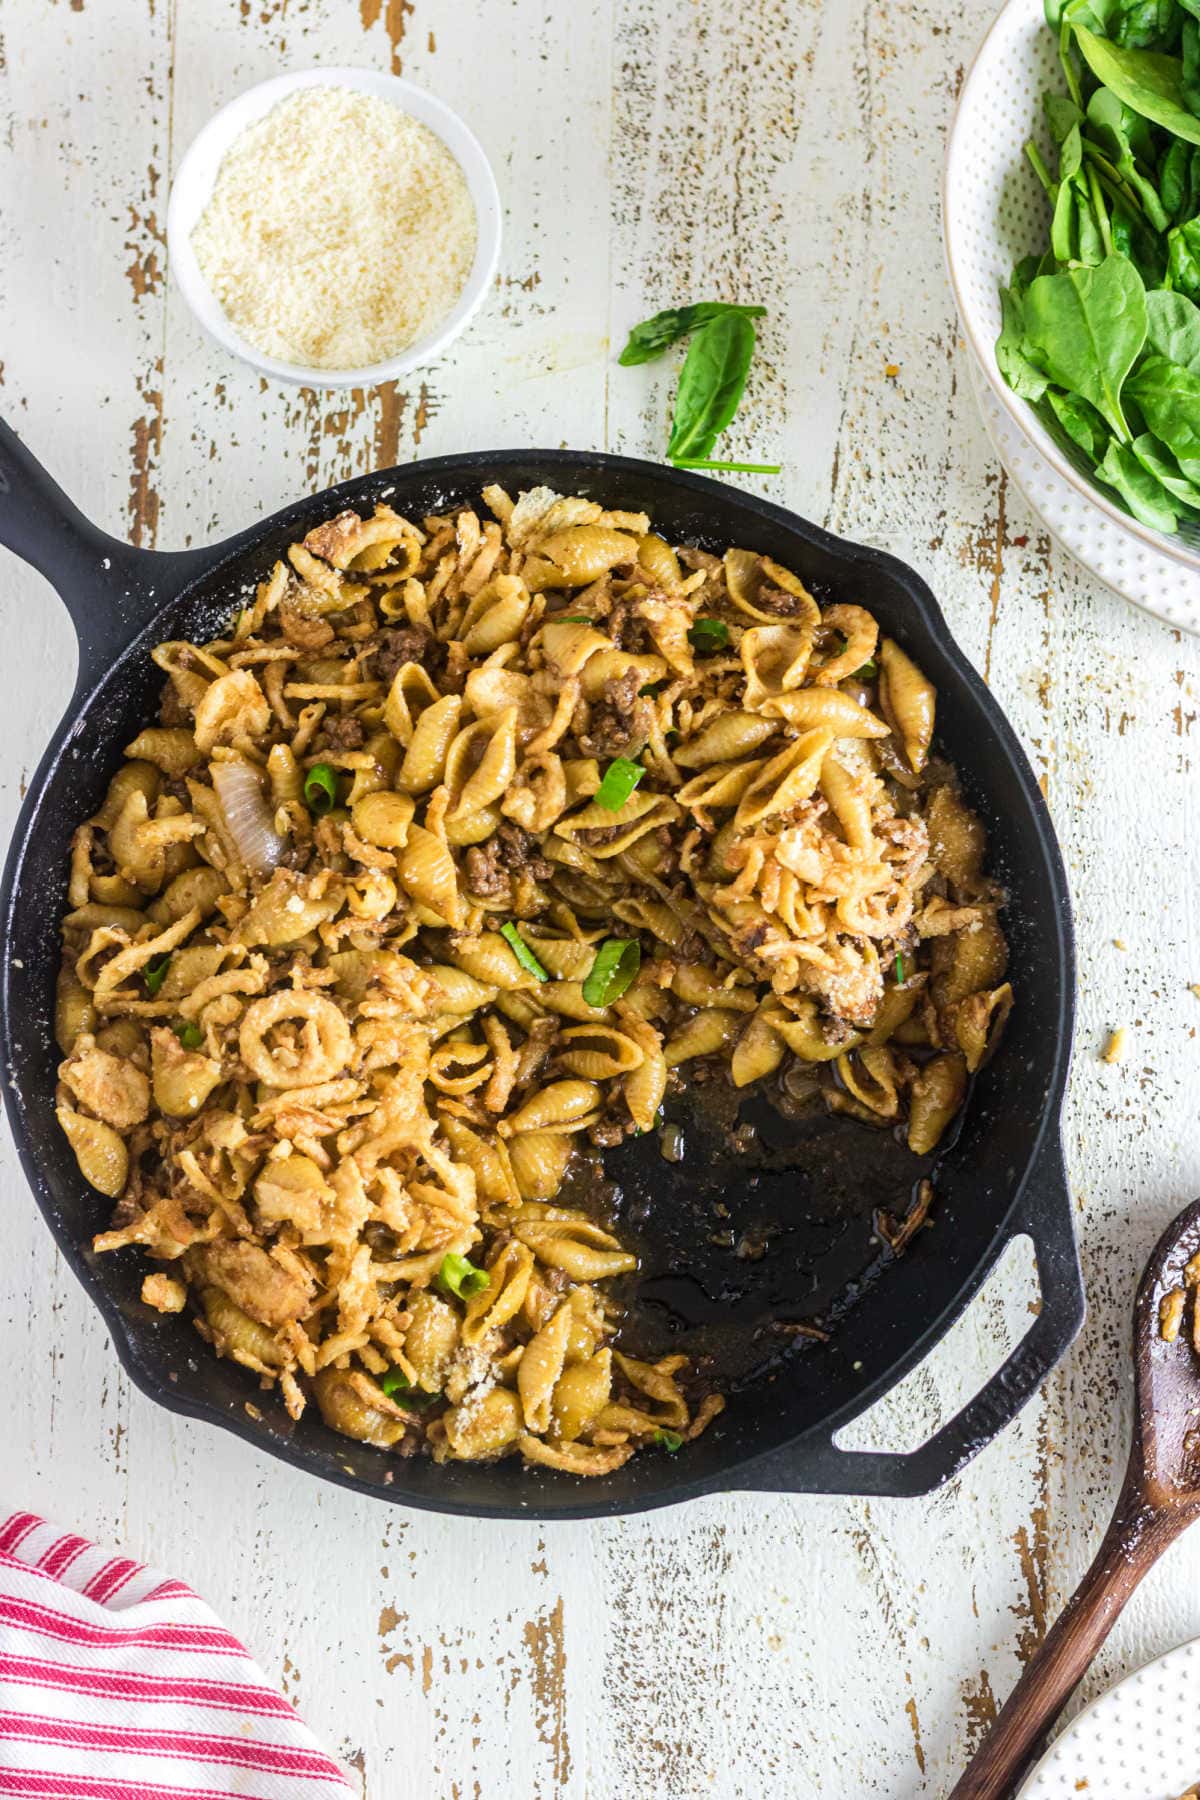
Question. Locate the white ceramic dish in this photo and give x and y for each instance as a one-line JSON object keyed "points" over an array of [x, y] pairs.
{"points": [[197, 174], [1140, 573], [995, 213], [1139, 1741]]}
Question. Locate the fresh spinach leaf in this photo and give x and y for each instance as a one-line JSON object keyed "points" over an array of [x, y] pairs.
{"points": [[1169, 399], [1119, 130], [649, 339], [1086, 328], [1157, 459], [1173, 328], [1148, 81], [711, 384], [1062, 115], [1141, 491], [1183, 257], [1174, 177], [1081, 423], [1022, 375], [1190, 56]]}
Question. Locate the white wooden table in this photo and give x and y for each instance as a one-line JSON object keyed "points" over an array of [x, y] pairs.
{"points": [[649, 152]]}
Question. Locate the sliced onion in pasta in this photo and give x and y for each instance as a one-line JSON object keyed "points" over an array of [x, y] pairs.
{"points": [[248, 816]]}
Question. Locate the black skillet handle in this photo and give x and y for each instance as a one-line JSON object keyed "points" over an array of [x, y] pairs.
{"points": [[817, 1466], [110, 589]]}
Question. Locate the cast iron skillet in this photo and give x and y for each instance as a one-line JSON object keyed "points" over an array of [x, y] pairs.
{"points": [[810, 1193]]}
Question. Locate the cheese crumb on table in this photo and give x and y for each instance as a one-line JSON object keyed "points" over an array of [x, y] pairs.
{"points": [[339, 230], [1118, 1043]]}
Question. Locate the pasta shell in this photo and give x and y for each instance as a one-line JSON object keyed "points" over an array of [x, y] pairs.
{"points": [[784, 781], [426, 871]]}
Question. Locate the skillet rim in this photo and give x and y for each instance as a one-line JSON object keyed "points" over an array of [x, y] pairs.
{"points": [[178, 574]]}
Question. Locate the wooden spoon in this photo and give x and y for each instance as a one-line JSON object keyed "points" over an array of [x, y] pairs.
{"points": [[1160, 1498]]}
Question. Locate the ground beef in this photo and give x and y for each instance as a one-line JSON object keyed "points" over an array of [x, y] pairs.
{"points": [[774, 600], [486, 875], [519, 852], [835, 1030], [396, 645], [171, 710], [303, 631], [620, 722], [491, 866], [693, 559], [606, 1133], [626, 630], [344, 732]]}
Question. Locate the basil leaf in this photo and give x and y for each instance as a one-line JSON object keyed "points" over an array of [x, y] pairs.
{"points": [[1087, 328], [711, 384], [729, 468], [1148, 81], [649, 339], [620, 779], [522, 952], [614, 970]]}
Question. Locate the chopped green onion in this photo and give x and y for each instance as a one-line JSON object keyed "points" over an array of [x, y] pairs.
{"points": [[668, 1440], [615, 969], [655, 687], [868, 672], [620, 779], [398, 1387], [899, 966], [522, 952], [320, 789], [155, 973], [460, 1277], [189, 1035], [572, 619], [708, 636]]}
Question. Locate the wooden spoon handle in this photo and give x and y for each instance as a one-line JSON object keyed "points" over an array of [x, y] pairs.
{"points": [[1133, 1542]]}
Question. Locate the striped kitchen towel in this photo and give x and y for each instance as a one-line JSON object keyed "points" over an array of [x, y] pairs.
{"points": [[116, 1684]]}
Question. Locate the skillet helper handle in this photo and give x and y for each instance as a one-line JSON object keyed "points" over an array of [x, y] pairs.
{"points": [[110, 589], [1134, 1541], [1044, 1212], [43, 527]]}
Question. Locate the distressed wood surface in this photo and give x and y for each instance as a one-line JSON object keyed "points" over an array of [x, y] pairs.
{"points": [[648, 151]]}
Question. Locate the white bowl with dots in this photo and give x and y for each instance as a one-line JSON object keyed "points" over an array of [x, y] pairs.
{"points": [[995, 213], [1139, 1741]]}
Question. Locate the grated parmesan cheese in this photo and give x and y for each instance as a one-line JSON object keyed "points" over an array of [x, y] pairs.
{"points": [[338, 232]]}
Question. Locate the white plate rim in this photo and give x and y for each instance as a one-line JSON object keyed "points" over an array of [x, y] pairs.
{"points": [[1018, 410], [1085, 1721], [1080, 550]]}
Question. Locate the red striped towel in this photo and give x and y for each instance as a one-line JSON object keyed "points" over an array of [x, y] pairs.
{"points": [[116, 1684]]}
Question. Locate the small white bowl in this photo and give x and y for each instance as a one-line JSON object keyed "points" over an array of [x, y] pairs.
{"points": [[197, 176], [994, 213]]}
